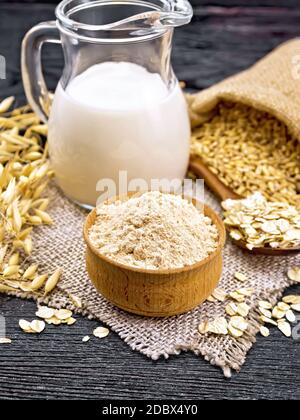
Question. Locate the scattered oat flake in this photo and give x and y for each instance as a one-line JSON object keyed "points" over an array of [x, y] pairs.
{"points": [[268, 320], [240, 277], [4, 340], [219, 326], [265, 312], [86, 339], [285, 328], [101, 332], [243, 309], [63, 314], [248, 292], [290, 316], [234, 331], [294, 274], [71, 321], [237, 297], [283, 306], [265, 305], [219, 294], [296, 307], [37, 326], [231, 309], [45, 313], [53, 321], [278, 313], [25, 325], [292, 299], [239, 323], [203, 328], [265, 332], [211, 299]]}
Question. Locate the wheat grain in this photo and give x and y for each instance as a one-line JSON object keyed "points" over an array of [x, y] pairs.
{"points": [[45, 218], [14, 259], [240, 134], [6, 104], [52, 281], [24, 175], [11, 270], [30, 271], [38, 282], [5, 289]]}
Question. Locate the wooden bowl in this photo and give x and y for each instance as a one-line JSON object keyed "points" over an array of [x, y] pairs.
{"points": [[155, 293]]}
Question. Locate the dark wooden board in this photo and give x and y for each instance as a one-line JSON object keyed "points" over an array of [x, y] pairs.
{"points": [[57, 365], [225, 3]]}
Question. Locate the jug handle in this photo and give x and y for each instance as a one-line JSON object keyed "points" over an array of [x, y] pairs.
{"points": [[35, 87]]}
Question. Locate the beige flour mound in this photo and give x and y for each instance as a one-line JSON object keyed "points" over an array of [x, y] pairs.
{"points": [[154, 231]]}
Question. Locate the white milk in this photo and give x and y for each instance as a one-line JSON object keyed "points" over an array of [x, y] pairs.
{"points": [[113, 117]]}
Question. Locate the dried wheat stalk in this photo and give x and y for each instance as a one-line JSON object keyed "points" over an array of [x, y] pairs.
{"points": [[24, 175]]}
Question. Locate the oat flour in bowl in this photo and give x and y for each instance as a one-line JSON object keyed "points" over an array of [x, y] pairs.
{"points": [[154, 231]]}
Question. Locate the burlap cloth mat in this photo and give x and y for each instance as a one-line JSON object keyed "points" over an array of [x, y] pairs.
{"points": [[269, 86]]}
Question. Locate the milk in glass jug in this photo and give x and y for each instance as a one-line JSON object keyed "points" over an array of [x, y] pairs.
{"points": [[118, 105]]}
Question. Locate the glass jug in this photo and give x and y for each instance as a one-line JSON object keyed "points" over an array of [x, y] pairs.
{"points": [[118, 108]]}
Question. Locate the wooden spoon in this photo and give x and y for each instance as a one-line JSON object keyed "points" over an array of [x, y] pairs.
{"points": [[224, 193]]}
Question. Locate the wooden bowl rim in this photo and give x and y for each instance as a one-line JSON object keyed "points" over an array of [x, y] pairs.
{"points": [[208, 211]]}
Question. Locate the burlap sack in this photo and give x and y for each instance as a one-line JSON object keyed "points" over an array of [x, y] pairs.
{"points": [[271, 85], [62, 245]]}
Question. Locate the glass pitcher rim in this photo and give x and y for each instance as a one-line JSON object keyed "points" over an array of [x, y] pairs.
{"points": [[169, 14]]}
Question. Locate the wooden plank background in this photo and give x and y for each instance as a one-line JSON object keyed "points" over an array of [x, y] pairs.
{"points": [[220, 41], [225, 3]]}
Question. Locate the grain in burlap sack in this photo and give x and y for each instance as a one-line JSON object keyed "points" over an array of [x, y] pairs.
{"points": [[272, 85]]}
